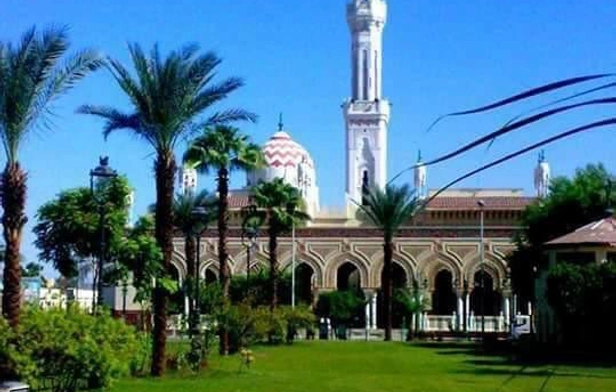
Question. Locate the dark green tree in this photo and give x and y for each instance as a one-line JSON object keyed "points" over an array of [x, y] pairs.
{"points": [[167, 95], [34, 73]]}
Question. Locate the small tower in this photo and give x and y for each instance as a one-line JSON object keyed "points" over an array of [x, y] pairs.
{"points": [[542, 176], [188, 179], [420, 173], [366, 112]]}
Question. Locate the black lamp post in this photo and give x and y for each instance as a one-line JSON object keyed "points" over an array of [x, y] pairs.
{"points": [[249, 240], [100, 173]]}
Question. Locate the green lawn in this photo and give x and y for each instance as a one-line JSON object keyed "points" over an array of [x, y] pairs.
{"points": [[378, 367]]}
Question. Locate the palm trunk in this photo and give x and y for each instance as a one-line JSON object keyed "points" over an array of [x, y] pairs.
{"points": [[164, 168], [13, 198], [387, 286], [223, 256], [190, 281], [273, 256]]}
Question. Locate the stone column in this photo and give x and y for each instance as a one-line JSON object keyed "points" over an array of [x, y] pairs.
{"points": [[460, 311], [373, 312], [468, 311], [507, 310], [368, 319]]}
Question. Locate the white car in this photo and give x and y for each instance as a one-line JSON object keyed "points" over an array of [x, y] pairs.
{"points": [[14, 386]]}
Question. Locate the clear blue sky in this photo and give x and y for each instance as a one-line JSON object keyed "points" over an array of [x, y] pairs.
{"points": [[440, 56]]}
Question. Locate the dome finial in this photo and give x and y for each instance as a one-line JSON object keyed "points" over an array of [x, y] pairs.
{"points": [[419, 155], [541, 156], [280, 125]]}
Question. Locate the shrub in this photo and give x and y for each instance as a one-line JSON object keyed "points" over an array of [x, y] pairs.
{"points": [[247, 325], [68, 350]]}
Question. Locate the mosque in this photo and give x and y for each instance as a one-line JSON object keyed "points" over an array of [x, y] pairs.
{"points": [[440, 247]]}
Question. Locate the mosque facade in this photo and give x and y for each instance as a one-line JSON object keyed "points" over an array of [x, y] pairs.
{"points": [[441, 248]]}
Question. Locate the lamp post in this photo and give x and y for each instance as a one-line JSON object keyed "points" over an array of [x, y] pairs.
{"points": [[249, 240], [291, 210], [100, 173], [481, 205]]}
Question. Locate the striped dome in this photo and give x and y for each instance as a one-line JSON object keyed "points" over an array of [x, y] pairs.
{"points": [[281, 152]]}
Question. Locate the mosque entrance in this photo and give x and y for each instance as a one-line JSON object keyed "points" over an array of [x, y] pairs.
{"points": [[399, 282]]}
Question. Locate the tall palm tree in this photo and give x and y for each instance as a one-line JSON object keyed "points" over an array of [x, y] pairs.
{"points": [[280, 204], [33, 74], [388, 209], [223, 149], [167, 96]]}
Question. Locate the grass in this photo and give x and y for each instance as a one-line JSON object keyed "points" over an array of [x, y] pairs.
{"points": [[378, 367]]}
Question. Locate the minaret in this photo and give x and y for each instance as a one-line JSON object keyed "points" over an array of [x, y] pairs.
{"points": [[366, 113], [542, 176], [420, 178], [130, 201], [188, 179]]}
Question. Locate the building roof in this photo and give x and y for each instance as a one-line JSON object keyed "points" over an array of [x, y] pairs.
{"points": [[601, 233], [439, 203]]}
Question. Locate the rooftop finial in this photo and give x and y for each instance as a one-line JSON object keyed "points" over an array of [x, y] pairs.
{"points": [[419, 155], [541, 156], [280, 125]]}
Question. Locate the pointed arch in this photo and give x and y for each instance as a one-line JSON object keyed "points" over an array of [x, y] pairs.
{"points": [[407, 264], [494, 266], [179, 262], [305, 258], [440, 261], [258, 260], [331, 268]]}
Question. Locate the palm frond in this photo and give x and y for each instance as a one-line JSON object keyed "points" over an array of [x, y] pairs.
{"points": [[562, 135], [229, 116], [525, 95]]}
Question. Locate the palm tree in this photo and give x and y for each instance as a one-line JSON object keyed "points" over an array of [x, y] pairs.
{"points": [[223, 149], [33, 75], [167, 97], [279, 204], [185, 220], [388, 209]]}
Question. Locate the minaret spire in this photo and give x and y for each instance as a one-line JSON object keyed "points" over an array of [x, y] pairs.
{"points": [[280, 124], [420, 182], [542, 176], [366, 112]]}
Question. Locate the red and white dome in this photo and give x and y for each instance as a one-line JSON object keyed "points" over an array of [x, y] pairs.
{"points": [[283, 152]]}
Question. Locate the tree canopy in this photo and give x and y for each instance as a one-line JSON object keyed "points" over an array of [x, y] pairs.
{"points": [[571, 203], [68, 228]]}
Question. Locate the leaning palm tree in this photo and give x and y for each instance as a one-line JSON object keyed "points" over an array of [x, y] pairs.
{"points": [[33, 75], [167, 97], [388, 209], [279, 205], [223, 149]]}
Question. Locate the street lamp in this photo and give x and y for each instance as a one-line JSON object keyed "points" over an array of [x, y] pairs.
{"points": [[481, 205], [100, 173], [291, 210], [249, 240]]}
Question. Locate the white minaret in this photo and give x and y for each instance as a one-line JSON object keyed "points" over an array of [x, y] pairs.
{"points": [[542, 176], [419, 179], [188, 179], [366, 113]]}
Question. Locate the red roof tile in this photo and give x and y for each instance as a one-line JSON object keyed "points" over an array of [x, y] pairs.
{"points": [[440, 203]]}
